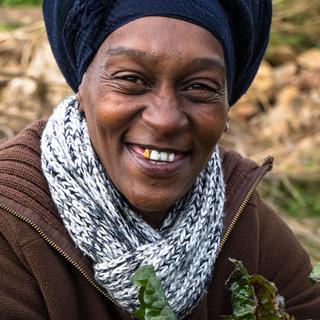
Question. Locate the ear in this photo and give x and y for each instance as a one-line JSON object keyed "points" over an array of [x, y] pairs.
{"points": [[79, 94]]}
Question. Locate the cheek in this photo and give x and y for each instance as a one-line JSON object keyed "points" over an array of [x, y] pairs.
{"points": [[114, 112], [209, 131], [95, 100], [211, 125]]}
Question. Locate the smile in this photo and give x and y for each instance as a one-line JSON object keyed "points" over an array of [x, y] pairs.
{"points": [[158, 163], [159, 155]]}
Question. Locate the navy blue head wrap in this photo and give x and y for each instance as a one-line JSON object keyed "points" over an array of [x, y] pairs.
{"points": [[77, 28]]}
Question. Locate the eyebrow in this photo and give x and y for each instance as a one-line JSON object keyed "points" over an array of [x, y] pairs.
{"points": [[200, 62], [123, 51]]}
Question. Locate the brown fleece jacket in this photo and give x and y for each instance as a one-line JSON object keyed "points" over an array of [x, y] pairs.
{"points": [[43, 275]]}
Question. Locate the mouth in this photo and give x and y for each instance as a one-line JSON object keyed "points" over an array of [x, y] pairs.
{"points": [[158, 162], [157, 155], [160, 156]]}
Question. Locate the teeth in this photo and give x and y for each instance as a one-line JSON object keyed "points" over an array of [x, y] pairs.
{"points": [[159, 156], [146, 153], [155, 155], [164, 156], [171, 157]]}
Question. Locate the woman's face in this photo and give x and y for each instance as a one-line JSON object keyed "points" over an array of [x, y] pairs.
{"points": [[156, 88]]}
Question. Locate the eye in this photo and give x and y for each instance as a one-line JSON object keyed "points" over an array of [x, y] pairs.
{"points": [[203, 91], [130, 83], [132, 79], [199, 87]]}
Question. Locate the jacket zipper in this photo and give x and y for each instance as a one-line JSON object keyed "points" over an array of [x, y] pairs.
{"points": [[61, 251], [268, 165], [267, 162]]}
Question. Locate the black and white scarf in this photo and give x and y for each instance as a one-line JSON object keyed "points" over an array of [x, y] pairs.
{"points": [[104, 227]]}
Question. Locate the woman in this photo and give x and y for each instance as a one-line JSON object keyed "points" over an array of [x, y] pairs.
{"points": [[128, 172]]}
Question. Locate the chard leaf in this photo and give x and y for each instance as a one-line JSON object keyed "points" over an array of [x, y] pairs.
{"points": [[254, 297], [153, 303], [242, 295], [315, 274]]}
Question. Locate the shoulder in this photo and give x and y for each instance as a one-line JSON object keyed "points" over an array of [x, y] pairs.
{"points": [[284, 261], [266, 246], [241, 179], [23, 187], [20, 164], [260, 237], [234, 163], [30, 136], [22, 150]]}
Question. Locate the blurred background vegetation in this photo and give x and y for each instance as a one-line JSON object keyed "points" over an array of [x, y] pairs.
{"points": [[20, 2], [279, 116], [296, 23]]}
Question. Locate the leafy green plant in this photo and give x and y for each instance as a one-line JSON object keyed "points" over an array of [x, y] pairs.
{"points": [[315, 274], [153, 303], [253, 297]]}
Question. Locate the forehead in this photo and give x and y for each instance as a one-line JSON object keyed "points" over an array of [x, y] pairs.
{"points": [[162, 37]]}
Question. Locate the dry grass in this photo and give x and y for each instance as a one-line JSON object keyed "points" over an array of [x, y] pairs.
{"points": [[297, 16]]}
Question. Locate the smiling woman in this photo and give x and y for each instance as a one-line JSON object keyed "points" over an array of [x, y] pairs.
{"points": [[128, 172]]}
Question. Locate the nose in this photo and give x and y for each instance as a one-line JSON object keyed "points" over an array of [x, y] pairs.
{"points": [[165, 113]]}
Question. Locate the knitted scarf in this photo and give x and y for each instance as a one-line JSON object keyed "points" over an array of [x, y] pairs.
{"points": [[104, 227]]}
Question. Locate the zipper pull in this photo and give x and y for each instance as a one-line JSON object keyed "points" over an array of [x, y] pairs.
{"points": [[268, 161]]}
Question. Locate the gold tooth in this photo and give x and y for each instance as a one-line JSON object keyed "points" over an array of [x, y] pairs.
{"points": [[147, 153]]}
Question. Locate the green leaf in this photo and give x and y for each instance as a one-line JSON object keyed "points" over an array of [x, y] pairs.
{"points": [[254, 297], [153, 303], [270, 303], [242, 295], [315, 274]]}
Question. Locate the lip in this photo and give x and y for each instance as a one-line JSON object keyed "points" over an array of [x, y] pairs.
{"points": [[161, 170]]}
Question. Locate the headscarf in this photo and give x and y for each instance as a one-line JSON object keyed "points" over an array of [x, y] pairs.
{"points": [[77, 28]]}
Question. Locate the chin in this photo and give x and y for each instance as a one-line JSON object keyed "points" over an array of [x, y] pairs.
{"points": [[152, 203]]}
